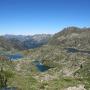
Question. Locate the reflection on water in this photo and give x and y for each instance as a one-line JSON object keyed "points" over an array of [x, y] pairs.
{"points": [[41, 67]]}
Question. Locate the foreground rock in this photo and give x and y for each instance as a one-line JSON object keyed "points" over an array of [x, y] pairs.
{"points": [[79, 87]]}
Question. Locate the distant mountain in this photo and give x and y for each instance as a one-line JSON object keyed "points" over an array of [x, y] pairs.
{"points": [[16, 44], [19, 37], [4, 44], [68, 37], [67, 54], [22, 42]]}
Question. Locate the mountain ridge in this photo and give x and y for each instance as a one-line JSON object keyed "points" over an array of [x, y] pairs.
{"points": [[72, 37], [22, 42]]}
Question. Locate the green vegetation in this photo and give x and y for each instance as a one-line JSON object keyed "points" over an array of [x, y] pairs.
{"points": [[4, 77], [67, 54]]}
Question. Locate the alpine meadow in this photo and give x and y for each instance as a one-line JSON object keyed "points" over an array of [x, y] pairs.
{"points": [[44, 45]]}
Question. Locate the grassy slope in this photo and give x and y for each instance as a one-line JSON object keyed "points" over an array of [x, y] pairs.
{"points": [[67, 70], [33, 80], [62, 63]]}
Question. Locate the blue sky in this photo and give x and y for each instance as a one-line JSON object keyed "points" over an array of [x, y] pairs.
{"points": [[42, 16]]}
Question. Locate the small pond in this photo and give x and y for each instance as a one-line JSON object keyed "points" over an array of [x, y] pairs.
{"points": [[74, 50], [41, 67], [15, 56], [10, 88]]}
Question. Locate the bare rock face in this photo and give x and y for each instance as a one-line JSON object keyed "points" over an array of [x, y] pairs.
{"points": [[79, 87]]}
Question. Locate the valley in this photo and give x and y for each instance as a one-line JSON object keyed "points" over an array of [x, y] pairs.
{"points": [[46, 62]]}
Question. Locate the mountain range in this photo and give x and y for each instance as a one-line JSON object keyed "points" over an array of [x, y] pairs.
{"points": [[66, 53], [21, 42]]}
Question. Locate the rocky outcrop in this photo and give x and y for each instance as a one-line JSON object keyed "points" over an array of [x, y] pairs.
{"points": [[79, 87]]}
